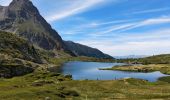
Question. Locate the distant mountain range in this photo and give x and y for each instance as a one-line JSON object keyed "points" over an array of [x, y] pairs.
{"points": [[82, 50], [23, 18], [130, 56]]}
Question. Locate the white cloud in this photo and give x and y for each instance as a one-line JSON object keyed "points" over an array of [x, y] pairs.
{"points": [[100, 28], [117, 27], [155, 34], [64, 8], [141, 48], [151, 10], [95, 24], [153, 21], [74, 7], [98, 25], [5, 2], [147, 43], [137, 24]]}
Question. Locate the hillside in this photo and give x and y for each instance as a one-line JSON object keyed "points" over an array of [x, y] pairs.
{"points": [[82, 50], [17, 47], [17, 56], [156, 59]]}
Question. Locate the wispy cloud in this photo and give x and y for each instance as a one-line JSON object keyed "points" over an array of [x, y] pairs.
{"points": [[151, 10], [116, 28], [98, 23], [147, 22], [132, 25], [101, 28], [146, 43], [74, 7], [144, 36]]}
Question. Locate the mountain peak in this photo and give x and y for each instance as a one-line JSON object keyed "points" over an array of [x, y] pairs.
{"points": [[25, 5], [23, 18], [20, 1]]}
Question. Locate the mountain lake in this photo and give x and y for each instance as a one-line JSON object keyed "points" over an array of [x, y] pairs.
{"points": [[90, 71]]}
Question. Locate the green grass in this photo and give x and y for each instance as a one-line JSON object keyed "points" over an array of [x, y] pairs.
{"points": [[34, 86], [13, 46], [38, 86], [165, 79], [156, 59]]}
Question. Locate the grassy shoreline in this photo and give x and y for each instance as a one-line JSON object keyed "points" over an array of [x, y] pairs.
{"points": [[163, 68]]}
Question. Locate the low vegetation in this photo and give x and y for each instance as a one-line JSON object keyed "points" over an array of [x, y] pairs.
{"points": [[165, 79], [149, 64], [164, 68], [156, 59], [16, 47]]}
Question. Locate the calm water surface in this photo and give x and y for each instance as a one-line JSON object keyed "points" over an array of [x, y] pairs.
{"points": [[90, 70]]}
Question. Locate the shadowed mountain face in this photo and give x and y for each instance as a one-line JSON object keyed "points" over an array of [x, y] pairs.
{"points": [[82, 50], [22, 18]]}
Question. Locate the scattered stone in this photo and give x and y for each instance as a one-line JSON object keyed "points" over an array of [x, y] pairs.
{"points": [[61, 88], [41, 82], [47, 98], [70, 93]]}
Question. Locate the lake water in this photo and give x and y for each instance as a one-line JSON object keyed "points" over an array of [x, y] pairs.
{"points": [[90, 71]]}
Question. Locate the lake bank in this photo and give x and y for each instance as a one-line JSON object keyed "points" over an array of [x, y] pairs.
{"points": [[163, 68]]}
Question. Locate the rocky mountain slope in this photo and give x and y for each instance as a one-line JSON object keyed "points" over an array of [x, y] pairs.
{"points": [[16, 55], [23, 18], [17, 47], [82, 50]]}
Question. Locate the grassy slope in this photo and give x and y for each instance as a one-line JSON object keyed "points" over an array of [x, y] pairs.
{"points": [[153, 63], [16, 47], [38, 86], [158, 59]]}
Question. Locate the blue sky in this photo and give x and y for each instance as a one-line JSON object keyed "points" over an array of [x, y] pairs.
{"points": [[116, 27]]}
